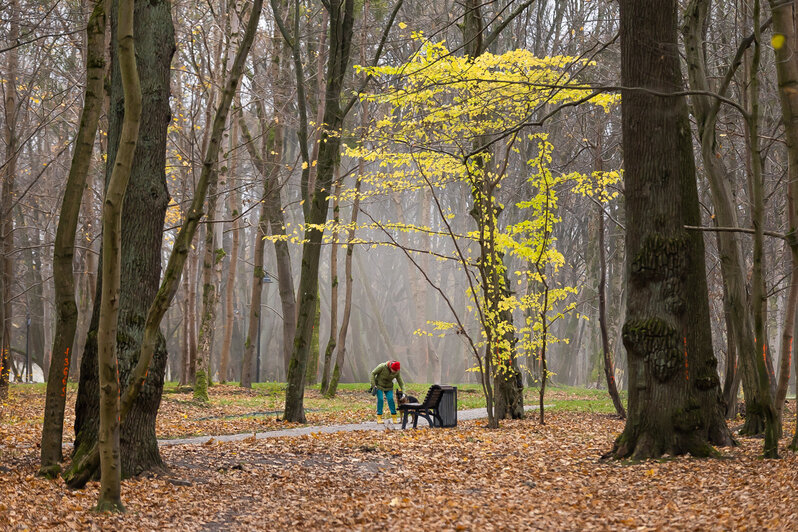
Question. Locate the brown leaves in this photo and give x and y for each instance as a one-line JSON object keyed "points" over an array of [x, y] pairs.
{"points": [[522, 476]]}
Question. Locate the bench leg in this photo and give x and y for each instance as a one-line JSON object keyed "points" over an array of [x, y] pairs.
{"points": [[404, 419]]}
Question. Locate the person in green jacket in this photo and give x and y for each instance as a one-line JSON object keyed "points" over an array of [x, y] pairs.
{"points": [[382, 384]]}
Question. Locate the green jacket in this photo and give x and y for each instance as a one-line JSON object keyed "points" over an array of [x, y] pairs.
{"points": [[382, 378]]}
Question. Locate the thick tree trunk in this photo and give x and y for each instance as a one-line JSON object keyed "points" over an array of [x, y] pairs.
{"points": [[674, 397], [63, 252], [142, 231]]}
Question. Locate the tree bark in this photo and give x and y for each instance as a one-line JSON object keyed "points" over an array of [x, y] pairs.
{"points": [[108, 434], [340, 347], [268, 166], [63, 251], [758, 291], [785, 18], [142, 231], [140, 387], [7, 179], [330, 348], [609, 366], [340, 27], [232, 268], [732, 264], [674, 398]]}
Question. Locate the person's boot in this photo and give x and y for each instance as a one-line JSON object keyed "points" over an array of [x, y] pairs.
{"points": [[379, 418], [395, 419]]}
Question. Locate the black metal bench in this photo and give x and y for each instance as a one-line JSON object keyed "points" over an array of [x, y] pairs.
{"points": [[428, 409]]}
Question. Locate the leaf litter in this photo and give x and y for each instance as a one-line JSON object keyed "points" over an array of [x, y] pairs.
{"points": [[523, 476]]}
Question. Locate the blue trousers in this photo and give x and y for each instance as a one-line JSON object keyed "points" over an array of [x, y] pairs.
{"points": [[389, 396]]}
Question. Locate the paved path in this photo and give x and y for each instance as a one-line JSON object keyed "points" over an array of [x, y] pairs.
{"points": [[462, 415]]}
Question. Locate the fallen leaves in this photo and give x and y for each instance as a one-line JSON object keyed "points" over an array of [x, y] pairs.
{"points": [[521, 476]]}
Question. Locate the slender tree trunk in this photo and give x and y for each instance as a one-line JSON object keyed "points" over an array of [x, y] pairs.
{"points": [[674, 397], [341, 23], [328, 351], [758, 293], [785, 20], [732, 263], [108, 435], [340, 346], [193, 280], [7, 179], [63, 253], [235, 230], [186, 331], [609, 366], [269, 168]]}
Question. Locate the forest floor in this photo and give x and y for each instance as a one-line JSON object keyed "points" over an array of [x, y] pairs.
{"points": [[522, 476]]}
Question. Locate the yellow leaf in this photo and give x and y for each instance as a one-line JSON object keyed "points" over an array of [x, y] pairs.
{"points": [[778, 41]]}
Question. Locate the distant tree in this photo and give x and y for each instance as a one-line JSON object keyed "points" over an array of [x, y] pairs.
{"points": [[674, 396]]}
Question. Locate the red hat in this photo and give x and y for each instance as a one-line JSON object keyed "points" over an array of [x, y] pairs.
{"points": [[394, 366]]}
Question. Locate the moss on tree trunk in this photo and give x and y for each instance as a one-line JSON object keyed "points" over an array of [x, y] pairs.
{"points": [[675, 405]]}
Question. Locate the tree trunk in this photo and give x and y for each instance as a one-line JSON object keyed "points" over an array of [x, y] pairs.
{"points": [[674, 397], [732, 264], [63, 252], [142, 231], [191, 317], [140, 388], [341, 24], [330, 348], [609, 366], [213, 254], [758, 291], [212, 257], [785, 15], [268, 165], [108, 433], [340, 355], [7, 179], [229, 296]]}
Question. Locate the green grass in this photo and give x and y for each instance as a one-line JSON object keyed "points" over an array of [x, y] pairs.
{"points": [[354, 396]]}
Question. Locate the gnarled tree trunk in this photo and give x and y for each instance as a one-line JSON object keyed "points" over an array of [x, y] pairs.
{"points": [[674, 396]]}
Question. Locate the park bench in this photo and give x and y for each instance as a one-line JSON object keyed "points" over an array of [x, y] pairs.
{"points": [[428, 409]]}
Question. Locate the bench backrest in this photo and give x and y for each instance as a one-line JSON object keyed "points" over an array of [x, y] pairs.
{"points": [[433, 398]]}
